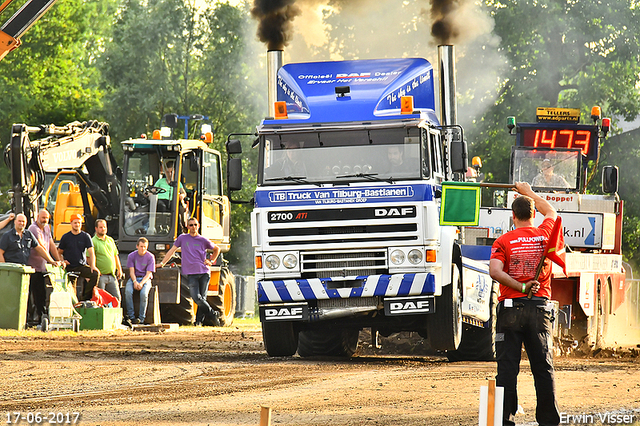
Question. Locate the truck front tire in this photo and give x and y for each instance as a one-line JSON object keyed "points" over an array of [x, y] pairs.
{"points": [[328, 342], [279, 338], [444, 327]]}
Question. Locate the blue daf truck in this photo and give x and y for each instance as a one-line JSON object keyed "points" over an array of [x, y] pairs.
{"points": [[345, 224]]}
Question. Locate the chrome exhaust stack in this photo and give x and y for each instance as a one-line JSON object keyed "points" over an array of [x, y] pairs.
{"points": [[447, 98], [274, 63], [455, 145]]}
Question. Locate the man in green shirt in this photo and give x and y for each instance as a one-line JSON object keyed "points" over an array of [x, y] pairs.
{"points": [[107, 260], [167, 183]]}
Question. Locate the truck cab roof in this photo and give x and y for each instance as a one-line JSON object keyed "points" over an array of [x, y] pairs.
{"points": [[361, 90]]}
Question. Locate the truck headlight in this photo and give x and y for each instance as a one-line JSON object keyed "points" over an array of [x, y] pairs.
{"points": [[397, 257], [272, 262], [290, 261], [415, 256]]}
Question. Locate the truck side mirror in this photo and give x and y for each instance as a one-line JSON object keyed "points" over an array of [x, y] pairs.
{"points": [[234, 174], [458, 157], [234, 147], [610, 179]]}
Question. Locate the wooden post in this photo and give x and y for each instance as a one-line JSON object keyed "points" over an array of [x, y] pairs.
{"points": [[265, 416], [491, 402]]}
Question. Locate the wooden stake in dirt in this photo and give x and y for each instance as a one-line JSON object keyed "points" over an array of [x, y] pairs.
{"points": [[265, 416], [491, 401]]}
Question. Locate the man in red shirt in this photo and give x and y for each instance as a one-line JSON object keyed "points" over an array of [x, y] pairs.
{"points": [[514, 260]]}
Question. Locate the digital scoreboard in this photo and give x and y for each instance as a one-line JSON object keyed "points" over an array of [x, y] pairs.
{"points": [[559, 135]]}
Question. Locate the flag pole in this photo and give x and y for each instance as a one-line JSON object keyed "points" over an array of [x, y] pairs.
{"points": [[480, 184], [538, 272], [557, 227]]}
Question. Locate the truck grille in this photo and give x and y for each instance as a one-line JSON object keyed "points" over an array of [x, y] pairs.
{"points": [[322, 264], [344, 226]]}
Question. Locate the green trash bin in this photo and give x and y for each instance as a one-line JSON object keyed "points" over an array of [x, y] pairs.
{"points": [[14, 295]]}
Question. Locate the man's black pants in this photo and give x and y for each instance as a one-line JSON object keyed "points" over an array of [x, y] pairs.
{"points": [[526, 322], [37, 298], [84, 271]]}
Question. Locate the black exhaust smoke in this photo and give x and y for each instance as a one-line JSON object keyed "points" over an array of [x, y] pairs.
{"points": [[275, 18], [444, 28], [275, 21]]}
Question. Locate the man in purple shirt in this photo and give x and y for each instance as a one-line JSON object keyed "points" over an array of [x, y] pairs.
{"points": [[142, 265], [195, 266], [37, 289]]}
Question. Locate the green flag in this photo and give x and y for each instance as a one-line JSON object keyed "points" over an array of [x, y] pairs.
{"points": [[460, 204]]}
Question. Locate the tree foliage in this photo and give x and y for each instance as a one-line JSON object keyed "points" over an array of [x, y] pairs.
{"points": [[559, 53]]}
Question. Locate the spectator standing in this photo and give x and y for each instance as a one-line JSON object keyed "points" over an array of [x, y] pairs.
{"points": [[141, 264], [107, 260], [514, 260], [195, 266], [16, 244], [37, 288], [77, 250]]}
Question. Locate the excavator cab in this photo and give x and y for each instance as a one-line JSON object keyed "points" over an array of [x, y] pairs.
{"points": [[65, 198]]}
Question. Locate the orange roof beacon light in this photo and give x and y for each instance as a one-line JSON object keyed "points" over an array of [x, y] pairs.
{"points": [[207, 137], [606, 124], [207, 133], [406, 105], [156, 134], [281, 110], [596, 113]]}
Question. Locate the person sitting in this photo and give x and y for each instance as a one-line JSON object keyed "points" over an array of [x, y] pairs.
{"points": [[79, 257], [141, 264], [289, 164], [547, 178], [166, 185]]}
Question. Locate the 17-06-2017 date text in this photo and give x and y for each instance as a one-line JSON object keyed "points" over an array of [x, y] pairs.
{"points": [[38, 418]]}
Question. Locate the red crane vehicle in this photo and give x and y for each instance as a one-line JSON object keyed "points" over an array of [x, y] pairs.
{"points": [[553, 155]]}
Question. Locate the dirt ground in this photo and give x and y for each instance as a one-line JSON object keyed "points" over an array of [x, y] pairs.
{"points": [[222, 376]]}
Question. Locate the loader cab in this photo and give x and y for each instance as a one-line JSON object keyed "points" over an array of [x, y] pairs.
{"points": [[165, 183]]}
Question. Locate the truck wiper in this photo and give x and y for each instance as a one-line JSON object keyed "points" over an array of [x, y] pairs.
{"points": [[298, 179], [368, 176]]}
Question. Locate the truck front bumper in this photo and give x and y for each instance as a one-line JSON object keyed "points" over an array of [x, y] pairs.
{"points": [[299, 290], [321, 299]]}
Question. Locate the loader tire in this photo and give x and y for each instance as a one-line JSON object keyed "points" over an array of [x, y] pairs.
{"points": [[328, 342], [225, 302], [182, 313]]}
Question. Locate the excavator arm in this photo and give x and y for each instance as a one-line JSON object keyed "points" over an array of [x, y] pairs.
{"points": [[81, 148], [20, 22]]}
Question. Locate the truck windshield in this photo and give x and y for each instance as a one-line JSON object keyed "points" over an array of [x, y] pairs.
{"points": [[547, 170], [151, 190], [384, 154]]}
